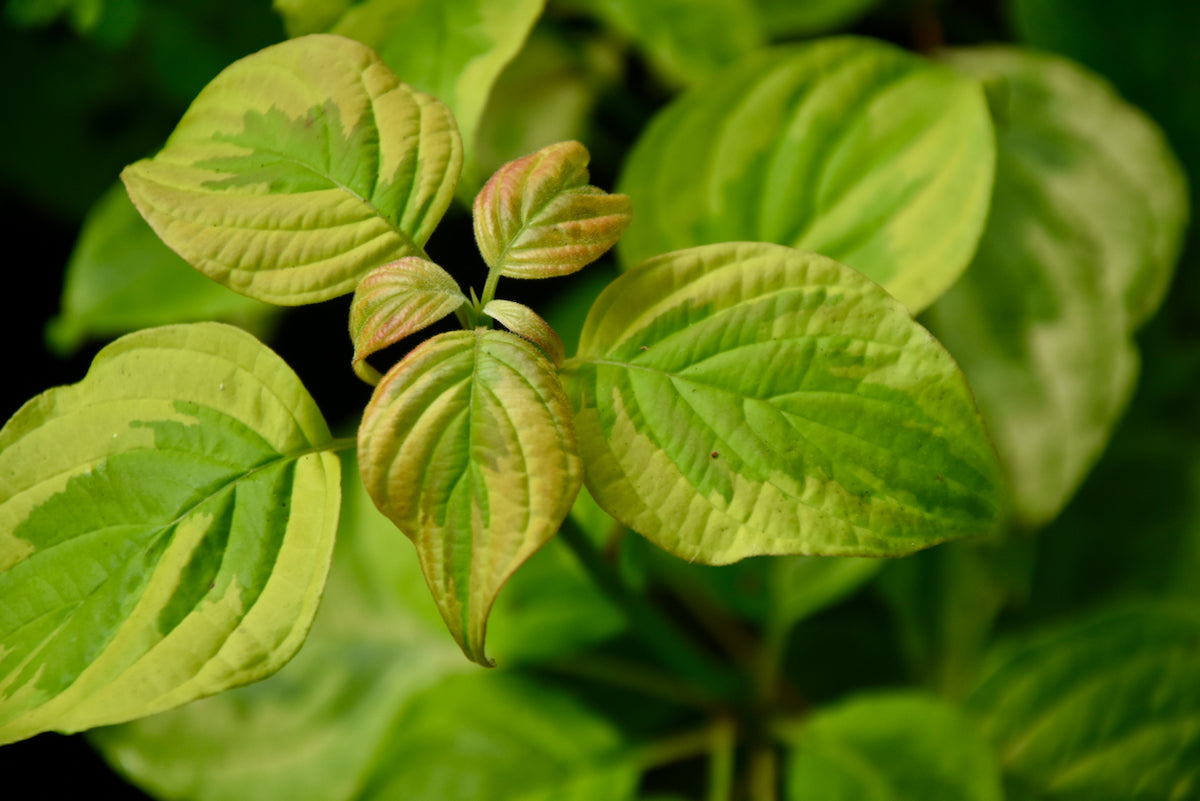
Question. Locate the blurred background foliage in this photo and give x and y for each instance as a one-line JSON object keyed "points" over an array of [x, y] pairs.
{"points": [[92, 85]]}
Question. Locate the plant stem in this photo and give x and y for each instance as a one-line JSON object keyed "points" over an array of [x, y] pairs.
{"points": [[465, 317], [661, 636], [631, 676], [489, 287], [739, 645], [723, 744], [342, 444], [762, 782], [674, 749]]}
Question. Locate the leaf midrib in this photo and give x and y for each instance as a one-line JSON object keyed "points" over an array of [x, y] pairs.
{"points": [[155, 533], [676, 377], [337, 184]]}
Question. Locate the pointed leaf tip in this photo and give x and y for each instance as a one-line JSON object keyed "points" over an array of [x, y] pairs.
{"points": [[525, 322], [395, 300], [537, 217], [468, 446]]}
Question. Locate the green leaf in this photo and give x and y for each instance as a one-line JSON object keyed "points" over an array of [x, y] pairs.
{"points": [[452, 49], [810, 17], [1107, 708], [165, 530], [302, 17], [748, 398], [1086, 221], [110, 23], [892, 747], [1148, 482], [537, 217], [551, 608], [314, 730], [802, 585], [686, 41], [547, 94], [575, 295], [945, 602], [503, 737], [299, 168], [121, 277], [1155, 67], [376, 647], [848, 147], [525, 322], [467, 446], [395, 300]]}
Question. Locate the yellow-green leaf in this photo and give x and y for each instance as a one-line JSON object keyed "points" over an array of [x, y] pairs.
{"points": [[524, 321], [746, 398], [1107, 708], [453, 49], [309, 16], [395, 300], [896, 746], [166, 526], [121, 277], [848, 147], [377, 642], [468, 447], [1087, 218], [537, 217], [299, 168], [686, 41]]}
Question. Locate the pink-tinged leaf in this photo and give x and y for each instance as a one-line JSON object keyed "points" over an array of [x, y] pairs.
{"points": [[468, 446], [395, 300], [525, 322], [537, 217]]}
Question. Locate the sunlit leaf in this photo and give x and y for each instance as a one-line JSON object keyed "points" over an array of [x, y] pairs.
{"points": [[1106, 708], [848, 147], [395, 300], [313, 731], [452, 49], [891, 747], [165, 530], [744, 399], [298, 169], [1086, 222], [377, 644], [121, 277], [537, 217], [467, 446], [524, 321]]}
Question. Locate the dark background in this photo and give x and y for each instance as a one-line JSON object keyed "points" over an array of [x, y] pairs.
{"points": [[78, 108]]}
